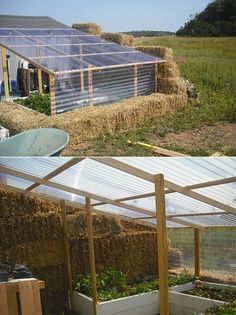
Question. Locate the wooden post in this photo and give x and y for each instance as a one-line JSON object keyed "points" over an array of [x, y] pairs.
{"points": [[40, 82], [90, 85], [82, 71], [162, 245], [135, 80], [67, 254], [91, 253], [5, 74], [156, 73], [197, 252], [52, 94]]}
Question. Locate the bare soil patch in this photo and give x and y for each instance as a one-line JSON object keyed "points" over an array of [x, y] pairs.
{"points": [[218, 138]]}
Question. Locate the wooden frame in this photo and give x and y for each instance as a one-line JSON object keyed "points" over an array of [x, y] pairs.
{"points": [[90, 85], [156, 74], [91, 253], [5, 74], [40, 82], [197, 249], [67, 254], [135, 80], [52, 94], [162, 245]]}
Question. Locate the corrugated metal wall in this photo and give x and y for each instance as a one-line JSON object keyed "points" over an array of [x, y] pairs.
{"points": [[104, 86]]}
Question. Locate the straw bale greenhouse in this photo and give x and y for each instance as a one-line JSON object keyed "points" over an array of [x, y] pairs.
{"points": [[142, 216], [80, 69]]}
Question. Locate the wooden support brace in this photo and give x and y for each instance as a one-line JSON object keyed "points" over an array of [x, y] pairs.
{"points": [[82, 71], [91, 253], [162, 245], [90, 85], [5, 74], [40, 82], [135, 80], [197, 250], [156, 74], [52, 94], [67, 254]]}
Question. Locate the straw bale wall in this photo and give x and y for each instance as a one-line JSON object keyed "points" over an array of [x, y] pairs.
{"points": [[86, 123], [89, 28], [119, 38], [31, 232]]}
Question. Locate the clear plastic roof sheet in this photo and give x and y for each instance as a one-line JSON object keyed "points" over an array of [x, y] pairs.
{"points": [[67, 49], [115, 190]]}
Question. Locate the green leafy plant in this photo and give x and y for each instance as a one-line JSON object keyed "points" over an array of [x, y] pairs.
{"points": [[211, 292], [113, 284], [40, 103], [227, 309]]}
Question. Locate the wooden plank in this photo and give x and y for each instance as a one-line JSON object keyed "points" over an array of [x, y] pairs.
{"points": [[3, 300], [156, 76], [125, 167], [57, 171], [82, 71], [82, 81], [67, 254], [91, 253], [5, 74], [110, 67], [52, 94], [197, 196], [195, 214], [40, 82], [90, 85], [156, 149], [197, 249], [135, 80], [30, 297], [12, 286], [169, 191], [162, 244], [12, 304]]}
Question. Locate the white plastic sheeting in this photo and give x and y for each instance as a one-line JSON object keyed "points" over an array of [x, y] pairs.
{"points": [[107, 184]]}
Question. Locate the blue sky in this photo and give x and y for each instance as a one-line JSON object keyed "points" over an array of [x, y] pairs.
{"points": [[120, 15]]}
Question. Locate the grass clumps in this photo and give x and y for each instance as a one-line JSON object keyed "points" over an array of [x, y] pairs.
{"points": [[40, 103], [113, 284]]}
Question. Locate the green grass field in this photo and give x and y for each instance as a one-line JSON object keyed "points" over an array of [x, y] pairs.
{"points": [[210, 63]]}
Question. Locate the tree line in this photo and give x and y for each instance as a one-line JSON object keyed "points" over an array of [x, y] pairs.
{"points": [[218, 19]]}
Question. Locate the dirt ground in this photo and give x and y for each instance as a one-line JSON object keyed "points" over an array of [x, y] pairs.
{"points": [[218, 138]]}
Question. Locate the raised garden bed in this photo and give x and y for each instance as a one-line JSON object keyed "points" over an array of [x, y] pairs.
{"points": [[117, 297], [39, 103], [199, 298]]}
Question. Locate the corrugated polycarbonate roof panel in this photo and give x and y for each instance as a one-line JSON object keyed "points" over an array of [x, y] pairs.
{"points": [[67, 42], [103, 181]]}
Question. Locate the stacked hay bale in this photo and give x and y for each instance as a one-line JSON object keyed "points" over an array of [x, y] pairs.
{"points": [[89, 28], [168, 75], [119, 38], [31, 232]]}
